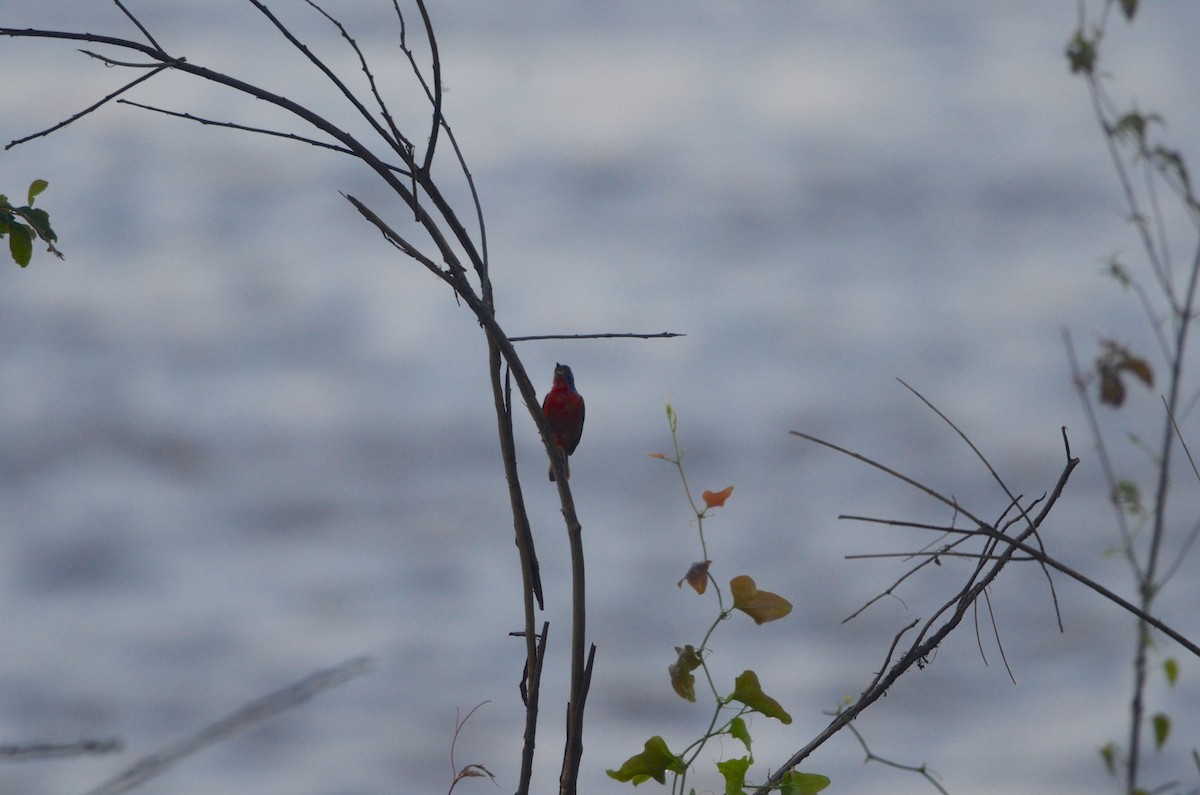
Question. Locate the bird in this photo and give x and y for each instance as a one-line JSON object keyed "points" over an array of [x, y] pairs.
{"points": [[563, 407]]}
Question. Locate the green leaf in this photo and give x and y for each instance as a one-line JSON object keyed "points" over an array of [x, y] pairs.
{"points": [[682, 679], [1134, 125], [1118, 271], [36, 187], [1081, 54], [762, 606], [20, 244], [1129, 8], [1127, 496], [1162, 728], [734, 771], [1171, 162], [1171, 669], [738, 730], [747, 690], [796, 783], [654, 762], [39, 219], [1108, 752]]}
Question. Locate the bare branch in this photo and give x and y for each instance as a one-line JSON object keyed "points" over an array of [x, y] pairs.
{"points": [[246, 128], [436, 64], [996, 633], [383, 109], [16, 752], [606, 335], [897, 475], [872, 757], [1057, 565], [396, 240], [139, 25], [953, 610], [1014, 501], [90, 108], [333, 78], [108, 61]]}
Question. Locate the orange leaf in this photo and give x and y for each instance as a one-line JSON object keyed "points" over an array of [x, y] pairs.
{"points": [[762, 606], [717, 499], [697, 577], [659, 456], [1140, 369]]}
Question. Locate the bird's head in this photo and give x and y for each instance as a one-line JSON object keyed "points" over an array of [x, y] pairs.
{"points": [[563, 375]]}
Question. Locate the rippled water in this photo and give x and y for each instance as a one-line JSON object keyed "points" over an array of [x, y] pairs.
{"points": [[241, 440]]}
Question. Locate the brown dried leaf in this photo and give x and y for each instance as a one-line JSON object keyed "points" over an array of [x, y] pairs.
{"points": [[697, 576]]}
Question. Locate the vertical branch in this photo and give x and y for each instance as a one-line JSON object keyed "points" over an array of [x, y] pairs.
{"points": [[436, 65], [535, 645], [581, 672], [1125, 136], [450, 246]]}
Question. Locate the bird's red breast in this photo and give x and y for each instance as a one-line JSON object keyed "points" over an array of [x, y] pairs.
{"points": [[564, 410]]}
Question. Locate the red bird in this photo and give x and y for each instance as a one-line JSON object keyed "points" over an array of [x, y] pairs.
{"points": [[563, 407]]}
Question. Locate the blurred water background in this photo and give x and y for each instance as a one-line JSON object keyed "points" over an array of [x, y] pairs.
{"points": [[241, 439]]}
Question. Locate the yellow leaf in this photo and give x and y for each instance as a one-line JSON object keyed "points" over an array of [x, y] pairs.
{"points": [[718, 498], [762, 606], [682, 679]]}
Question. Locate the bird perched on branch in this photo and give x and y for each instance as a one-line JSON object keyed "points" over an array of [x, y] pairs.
{"points": [[563, 407]]}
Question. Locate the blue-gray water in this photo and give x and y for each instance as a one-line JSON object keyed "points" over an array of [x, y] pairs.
{"points": [[241, 439]]}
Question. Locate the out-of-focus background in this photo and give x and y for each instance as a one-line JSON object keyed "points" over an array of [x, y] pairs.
{"points": [[241, 439]]}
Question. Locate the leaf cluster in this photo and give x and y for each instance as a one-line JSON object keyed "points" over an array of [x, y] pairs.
{"points": [[22, 225], [656, 759]]}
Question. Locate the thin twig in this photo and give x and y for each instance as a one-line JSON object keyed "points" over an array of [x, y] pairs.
{"points": [[397, 141], [435, 62], [139, 25], [893, 473], [110, 61], [930, 636], [469, 771], [396, 240], [605, 336], [933, 555], [872, 757], [996, 633], [88, 109], [19, 752], [329, 75], [256, 130], [1015, 501]]}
